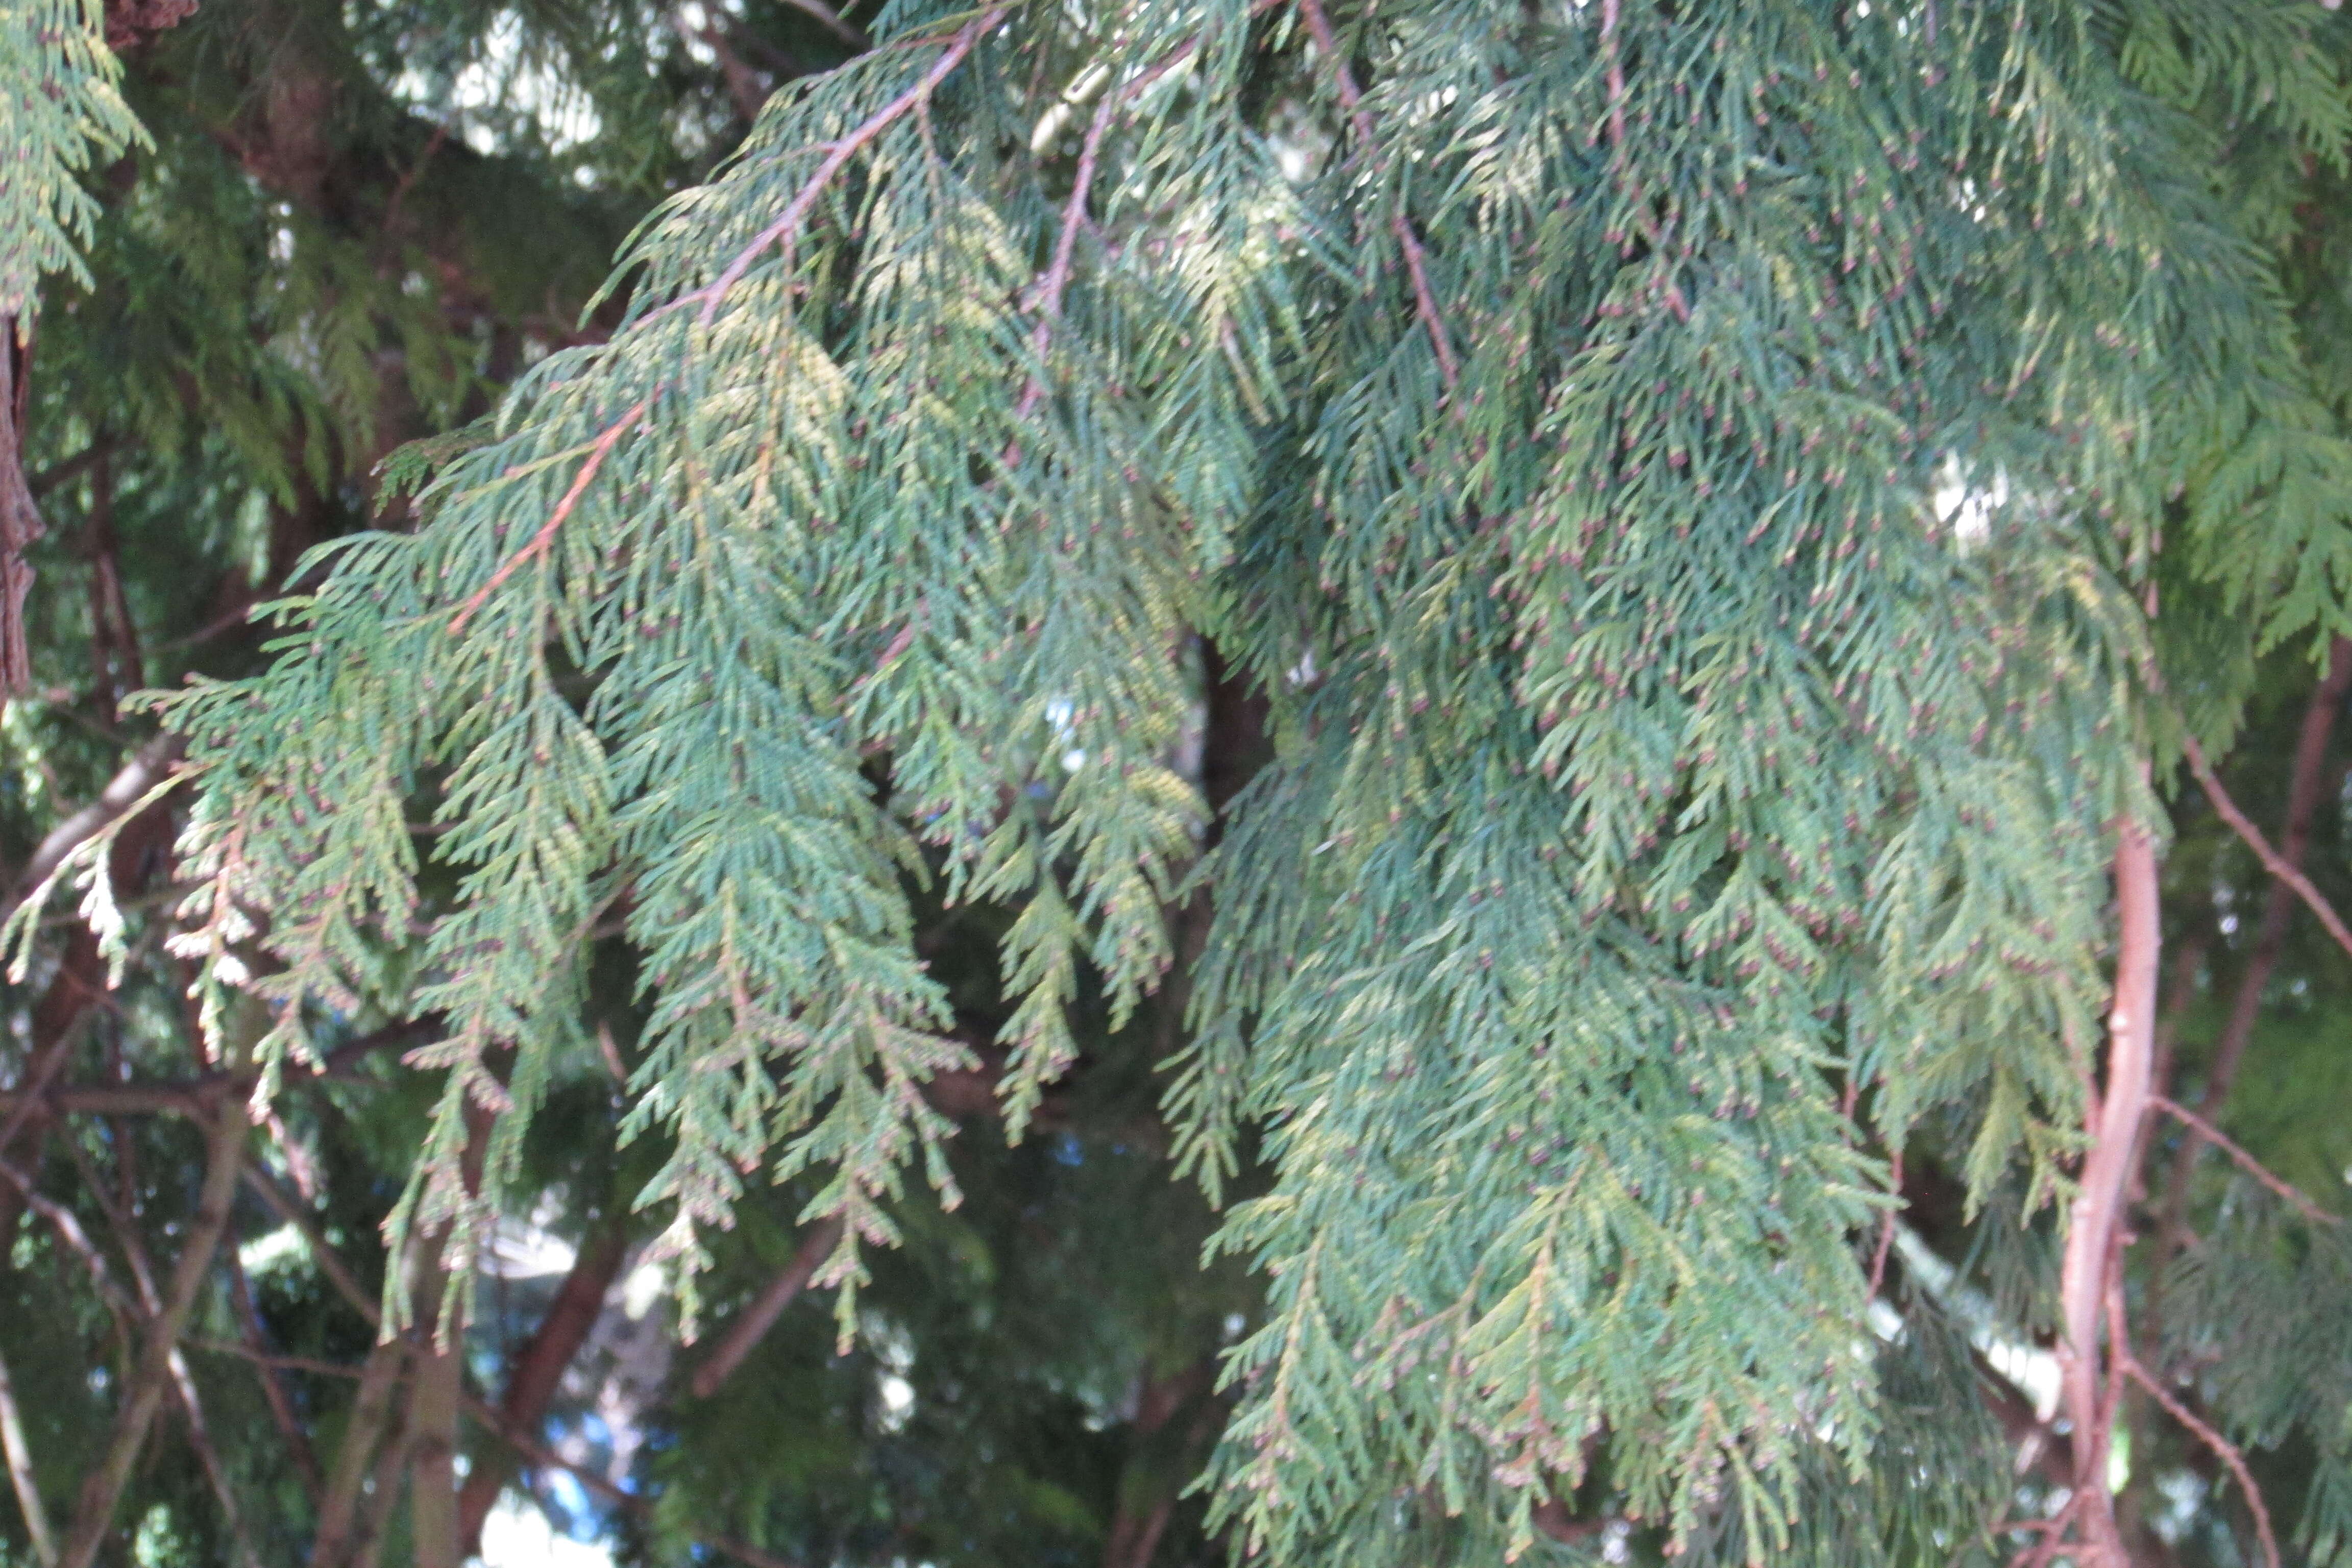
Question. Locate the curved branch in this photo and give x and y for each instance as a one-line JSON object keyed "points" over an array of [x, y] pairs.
{"points": [[2211, 1134], [1318, 28], [2094, 1227], [2273, 861], [146, 767], [2227, 1451]]}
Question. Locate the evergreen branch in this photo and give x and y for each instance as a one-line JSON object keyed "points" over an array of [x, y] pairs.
{"points": [[545, 537], [2226, 1450], [2276, 864], [2254, 1167], [788, 222], [1318, 26], [1056, 280]]}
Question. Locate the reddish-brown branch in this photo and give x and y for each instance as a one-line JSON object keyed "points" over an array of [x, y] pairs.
{"points": [[1066, 245], [788, 222], [2094, 1228], [536, 1369], [2306, 786], [2276, 864], [1886, 1227], [2254, 1167], [545, 537], [193, 1096], [1343, 81], [1051, 286], [1153, 1477], [2221, 1446], [745, 1333]]}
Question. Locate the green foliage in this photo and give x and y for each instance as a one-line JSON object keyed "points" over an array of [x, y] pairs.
{"points": [[1725, 507], [1561, 452], [58, 105]]}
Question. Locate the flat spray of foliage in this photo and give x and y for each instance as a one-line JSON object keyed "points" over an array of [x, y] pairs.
{"points": [[1562, 419]]}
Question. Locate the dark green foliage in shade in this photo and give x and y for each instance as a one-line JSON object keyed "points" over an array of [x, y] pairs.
{"points": [[1702, 519]]}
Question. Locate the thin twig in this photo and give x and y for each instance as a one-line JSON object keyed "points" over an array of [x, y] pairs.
{"points": [[545, 537], [2273, 861], [2221, 1446], [276, 1362], [306, 1225], [848, 32], [192, 1096], [1887, 1230], [1057, 275], [2254, 1167], [68, 1225], [1318, 28], [291, 1432], [1050, 288]]}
